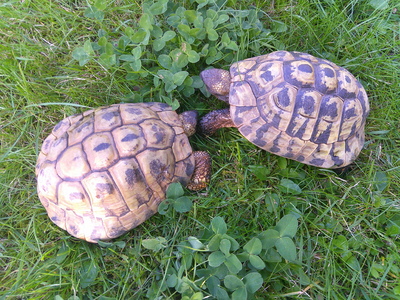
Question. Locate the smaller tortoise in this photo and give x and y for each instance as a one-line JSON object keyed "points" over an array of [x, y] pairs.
{"points": [[105, 171], [292, 104]]}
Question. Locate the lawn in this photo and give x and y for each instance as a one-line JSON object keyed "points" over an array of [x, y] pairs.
{"points": [[266, 227]]}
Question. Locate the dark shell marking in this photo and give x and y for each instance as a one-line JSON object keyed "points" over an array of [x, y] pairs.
{"points": [[300, 107], [103, 172]]}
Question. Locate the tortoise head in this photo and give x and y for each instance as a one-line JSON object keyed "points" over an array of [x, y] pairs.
{"points": [[189, 121], [218, 82]]}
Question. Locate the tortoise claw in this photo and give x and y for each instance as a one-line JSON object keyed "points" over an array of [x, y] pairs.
{"points": [[202, 172]]}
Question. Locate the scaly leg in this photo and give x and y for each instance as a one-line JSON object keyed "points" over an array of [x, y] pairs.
{"points": [[202, 171], [214, 120]]}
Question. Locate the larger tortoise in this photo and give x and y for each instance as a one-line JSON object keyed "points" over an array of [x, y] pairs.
{"points": [[104, 172], [292, 104]]}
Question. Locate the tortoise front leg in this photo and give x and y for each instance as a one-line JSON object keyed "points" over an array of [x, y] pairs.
{"points": [[214, 120], [202, 171]]}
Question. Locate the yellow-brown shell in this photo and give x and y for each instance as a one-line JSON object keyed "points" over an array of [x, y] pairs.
{"points": [[103, 172], [301, 107]]}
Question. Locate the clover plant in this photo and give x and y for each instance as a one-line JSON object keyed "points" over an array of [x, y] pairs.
{"points": [[165, 49], [218, 266]]}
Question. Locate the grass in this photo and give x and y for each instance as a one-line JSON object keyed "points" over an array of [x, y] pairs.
{"points": [[348, 237]]}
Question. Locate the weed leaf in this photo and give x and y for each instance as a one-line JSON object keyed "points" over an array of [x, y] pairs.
{"points": [[197, 296], [268, 238], [212, 284], [303, 278], [381, 181], [155, 244], [261, 172], [287, 226], [232, 282], [163, 207], [93, 12], [100, 4], [213, 245], [158, 44], [218, 225], [286, 248], [89, 273], [168, 35], [278, 26], [179, 77], [146, 22], [165, 61], [233, 264], [159, 7], [225, 246], [379, 4], [195, 243], [257, 262], [216, 259], [272, 255], [272, 202], [193, 56], [81, 56], [174, 103], [253, 281], [129, 58], [140, 36], [352, 262], [201, 3], [172, 280], [289, 187], [254, 246], [175, 190], [396, 290], [183, 204], [239, 294], [62, 253], [136, 65]]}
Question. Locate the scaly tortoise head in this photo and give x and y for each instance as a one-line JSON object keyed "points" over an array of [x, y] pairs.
{"points": [[292, 104], [104, 172]]}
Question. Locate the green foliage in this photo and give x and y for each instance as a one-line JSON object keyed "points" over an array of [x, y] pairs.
{"points": [[281, 238], [175, 200], [379, 4], [167, 47], [155, 244], [217, 266], [88, 274]]}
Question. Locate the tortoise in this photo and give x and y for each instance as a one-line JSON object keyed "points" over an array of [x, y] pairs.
{"points": [[104, 172], [291, 104]]}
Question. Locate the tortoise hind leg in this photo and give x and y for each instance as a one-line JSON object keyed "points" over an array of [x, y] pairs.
{"points": [[202, 171], [214, 120]]}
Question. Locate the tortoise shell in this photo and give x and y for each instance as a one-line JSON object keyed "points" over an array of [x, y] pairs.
{"points": [[103, 172], [300, 107]]}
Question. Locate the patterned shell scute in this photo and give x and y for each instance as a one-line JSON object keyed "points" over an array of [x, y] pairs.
{"points": [[104, 172], [300, 107]]}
